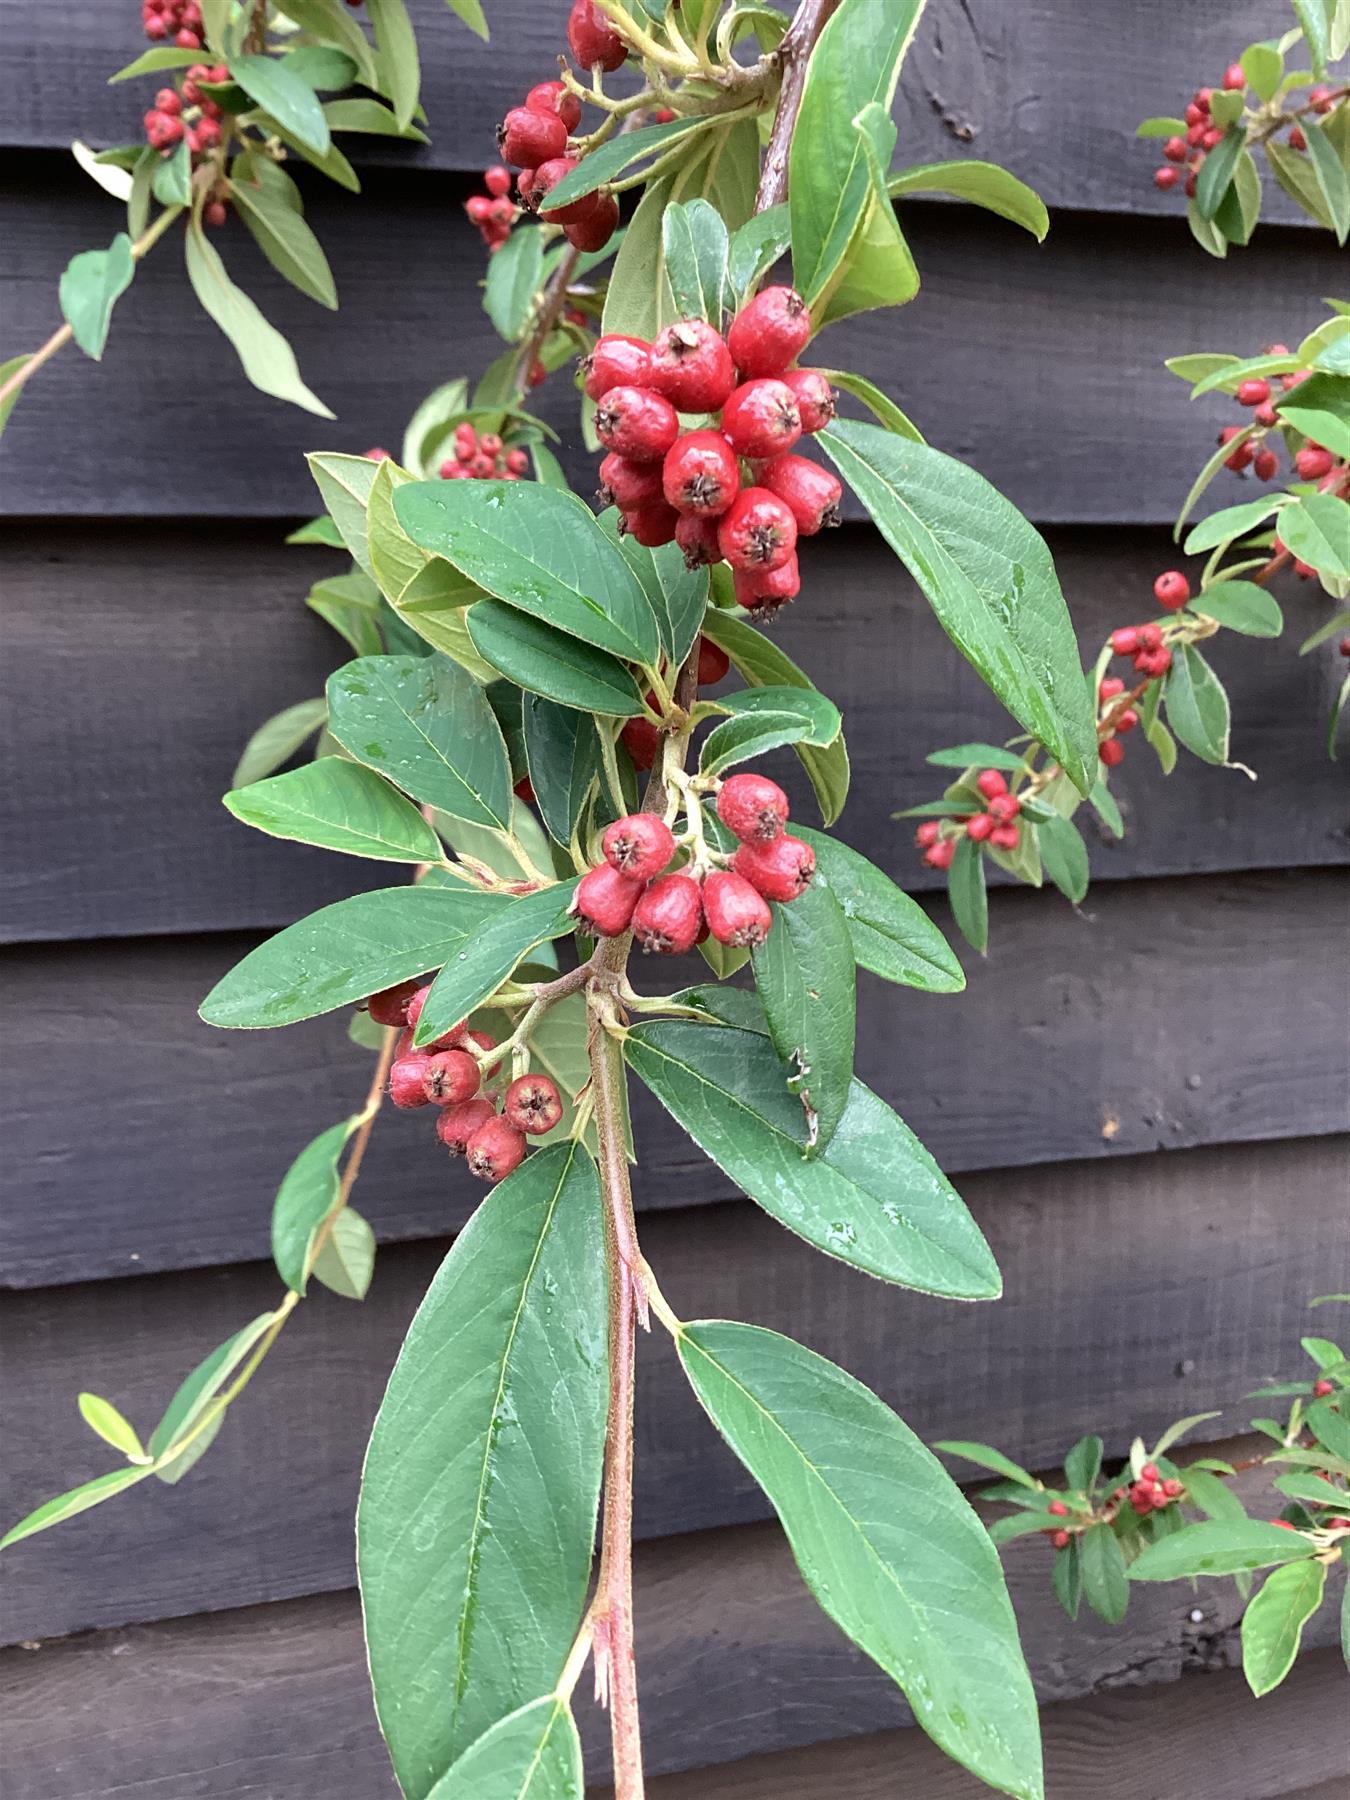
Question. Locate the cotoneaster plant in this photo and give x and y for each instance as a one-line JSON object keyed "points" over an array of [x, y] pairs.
{"points": [[549, 721]]}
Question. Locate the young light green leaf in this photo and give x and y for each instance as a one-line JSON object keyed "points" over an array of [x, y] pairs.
{"points": [[102, 1417], [269, 203], [396, 53], [1197, 706], [89, 289], [697, 251], [475, 973], [987, 756], [968, 894], [891, 934], [883, 1537], [345, 482], [878, 268], [1064, 856], [1320, 408], [155, 62], [1164, 127], [471, 12], [171, 180], [804, 972], [77, 1500], [291, 102], [346, 1260], [330, 22], [267, 359], [988, 1458], [874, 1197], [196, 1393], [1220, 1547], [308, 1193], [533, 1753], [338, 805], [1106, 1586], [1241, 606], [987, 574], [478, 1500], [277, 740], [1232, 522], [112, 179], [1272, 1626], [317, 531], [983, 184]]}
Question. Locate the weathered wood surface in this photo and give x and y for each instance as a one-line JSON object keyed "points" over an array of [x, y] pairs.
{"points": [[1135, 1292], [1053, 91], [138, 659], [1168, 1014], [1036, 363]]}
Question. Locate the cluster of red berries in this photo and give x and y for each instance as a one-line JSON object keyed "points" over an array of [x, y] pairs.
{"points": [[1256, 452], [489, 1131], [534, 136], [1145, 646], [483, 457], [1320, 100], [1149, 1491], [642, 739], [1202, 134], [177, 20], [996, 825], [188, 114], [686, 487], [671, 911], [493, 212]]}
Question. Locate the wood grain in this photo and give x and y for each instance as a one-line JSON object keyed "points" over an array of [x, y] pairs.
{"points": [[1135, 1292]]}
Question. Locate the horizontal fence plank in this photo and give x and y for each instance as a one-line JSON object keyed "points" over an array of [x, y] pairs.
{"points": [[275, 1699], [1037, 363], [1122, 1027], [1135, 1292], [1134, 1016], [121, 717], [1055, 93]]}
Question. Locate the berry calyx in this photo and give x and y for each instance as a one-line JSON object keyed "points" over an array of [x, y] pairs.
{"points": [[760, 419], [991, 782], [617, 361], [604, 901], [814, 396], [533, 1104], [593, 40], [636, 422], [1172, 590], [780, 870], [701, 474], [451, 1076], [753, 808], [406, 1088], [639, 846], [528, 138], [455, 1125], [495, 1149], [697, 537], [770, 332], [737, 913], [692, 366], [668, 918], [758, 531], [764, 592], [812, 493]]}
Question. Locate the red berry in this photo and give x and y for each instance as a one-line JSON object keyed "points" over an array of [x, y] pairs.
{"points": [[604, 901], [1153, 663], [1003, 808], [1125, 641], [1322, 1388], [692, 366], [390, 1005], [1266, 464], [1166, 177], [758, 532], [406, 1087], [478, 206], [752, 808], [1060, 1539], [736, 912], [812, 493], [1322, 99], [764, 592], [1150, 636], [451, 1076], [497, 180], [617, 361], [663, 115], [940, 854], [1284, 1524], [1242, 456], [1211, 137], [594, 231], [1297, 138], [991, 782], [593, 40], [1175, 149], [770, 332], [528, 138], [651, 525], [1172, 1488], [1127, 720], [1172, 590], [1149, 1472], [1252, 393], [636, 422], [701, 474], [517, 462], [545, 178], [781, 869], [1058, 1508], [642, 741], [814, 396], [1112, 752], [668, 918], [215, 212], [639, 846], [1313, 462], [553, 97], [979, 826], [1194, 115], [187, 40], [627, 484], [697, 537], [761, 420], [1234, 78], [533, 1104], [1265, 415], [1190, 185], [168, 101], [495, 1149], [1005, 837], [1110, 687], [455, 1125], [927, 834], [713, 663]]}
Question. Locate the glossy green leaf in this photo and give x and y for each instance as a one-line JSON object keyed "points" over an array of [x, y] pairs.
{"points": [[171, 179], [609, 160], [750, 735], [968, 895], [756, 246], [290, 101], [515, 274], [552, 663], [988, 576], [1332, 177], [1272, 1626], [197, 1392], [345, 482], [277, 740], [155, 62], [338, 805], [396, 56], [347, 951], [331, 22], [1066, 1577], [322, 67], [874, 1198], [532, 1754], [1083, 1464], [988, 1458], [103, 1418], [878, 268], [891, 934], [697, 251], [986, 756], [308, 1193], [1217, 171], [677, 595], [562, 754], [1106, 1586], [269, 203], [350, 604], [1330, 1427], [77, 1500], [1197, 706], [883, 1537], [266, 358], [983, 184], [1219, 1547], [804, 971], [1064, 856], [538, 550], [89, 289], [881, 405], [346, 1259], [1320, 408], [1316, 529], [478, 1500], [475, 972], [820, 715], [1241, 606]]}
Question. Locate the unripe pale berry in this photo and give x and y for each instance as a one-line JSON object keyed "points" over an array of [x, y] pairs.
{"points": [[764, 592], [1313, 462], [979, 826], [668, 918], [1172, 590], [639, 846], [770, 332], [814, 396], [697, 537], [495, 1149], [1253, 392], [692, 366], [991, 782], [780, 870], [390, 1006], [737, 913], [455, 1125], [713, 663], [604, 901], [593, 40], [529, 138], [533, 1104], [1112, 752], [752, 808], [761, 420], [701, 474], [451, 1076], [757, 532], [636, 422], [628, 484], [651, 525], [617, 361], [553, 97], [812, 493], [406, 1086]]}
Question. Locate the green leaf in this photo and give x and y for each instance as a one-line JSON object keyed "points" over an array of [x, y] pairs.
{"points": [[1083, 1464], [983, 184], [891, 934], [1231, 522], [1272, 1626], [968, 895], [269, 203], [876, 402], [1066, 1577], [804, 971], [1241, 606], [1211, 1496], [478, 1501], [294, 105], [396, 53], [609, 160], [1263, 65], [308, 1193], [1332, 177], [267, 359], [697, 251], [1106, 1587], [1103, 803], [1312, 15], [1160, 128], [277, 740], [338, 805], [155, 62], [532, 1754], [1330, 1429], [321, 67], [347, 951], [1197, 706], [878, 268], [1217, 171], [8, 368], [103, 1418], [987, 574], [198, 1391], [89, 289], [676, 595], [471, 12], [1320, 408], [562, 755], [818, 714], [856, 62], [317, 531], [1240, 209], [331, 22], [1219, 1547], [988, 1458], [77, 1500], [432, 423], [1315, 1489], [741, 739], [515, 273], [1338, 706], [111, 177], [426, 724], [346, 1261], [539, 550], [477, 971], [883, 1537], [1297, 177], [1064, 856], [544, 661], [987, 756], [874, 1197], [350, 604], [756, 246], [171, 182], [345, 482]]}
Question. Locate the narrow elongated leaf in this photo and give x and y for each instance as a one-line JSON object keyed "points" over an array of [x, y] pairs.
{"points": [[544, 661], [1219, 1547], [883, 1537], [1197, 706], [1106, 1586], [820, 715], [609, 160], [475, 972], [346, 1261], [988, 1458], [89, 289], [537, 549], [371, 117], [968, 894], [278, 739], [1272, 1626], [562, 753], [881, 405], [154, 62], [1083, 1463], [346, 952], [1217, 173], [804, 971], [1320, 408], [268, 202], [111, 177], [478, 1500], [396, 51], [197, 1391], [281, 93], [1241, 606], [677, 595], [878, 268], [532, 1754], [1064, 856], [102, 1417], [891, 934], [338, 805], [1332, 178], [988, 756], [988, 576], [308, 1193], [983, 184], [267, 359], [77, 1500], [874, 1197]]}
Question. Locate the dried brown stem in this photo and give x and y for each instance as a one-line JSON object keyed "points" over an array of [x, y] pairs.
{"points": [[793, 55]]}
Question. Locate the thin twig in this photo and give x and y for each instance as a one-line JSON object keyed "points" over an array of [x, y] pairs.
{"points": [[792, 55]]}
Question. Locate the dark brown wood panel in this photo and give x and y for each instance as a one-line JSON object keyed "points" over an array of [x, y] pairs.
{"points": [[1037, 363], [138, 659], [1054, 91], [1135, 1292]]}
